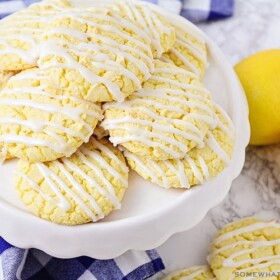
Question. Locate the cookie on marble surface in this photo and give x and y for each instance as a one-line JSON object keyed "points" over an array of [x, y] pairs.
{"points": [[96, 54], [158, 28], [246, 248], [82, 188], [202, 272], [39, 123], [189, 50], [20, 34], [167, 118], [198, 166]]}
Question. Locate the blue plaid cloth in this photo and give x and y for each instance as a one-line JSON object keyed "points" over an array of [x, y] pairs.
{"points": [[33, 264], [194, 10]]}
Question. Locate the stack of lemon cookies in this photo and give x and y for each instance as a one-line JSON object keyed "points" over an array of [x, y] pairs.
{"points": [[86, 92]]}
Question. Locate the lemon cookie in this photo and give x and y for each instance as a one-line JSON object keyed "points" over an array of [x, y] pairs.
{"points": [[164, 120], [198, 166], [189, 50], [247, 249], [20, 34], [158, 28], [202, 272], [39, 123], [96, 54], [83, 188]]}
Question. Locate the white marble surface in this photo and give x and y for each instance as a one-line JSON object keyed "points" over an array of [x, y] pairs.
{"points": [[256, 192]]}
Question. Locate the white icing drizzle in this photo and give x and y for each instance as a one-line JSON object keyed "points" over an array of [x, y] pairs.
{"points": [[71, 112], [181, 173], [144, 64], [61, 202], [50, 176], [143, 134], [122, 122], [83, 193], [161, 173], [104, 163], [91, 22], [164, 99], [161, 92], [42, 91], [194, 168], [253, 244], [109, 154], [187, 42], [148, 20], [199, 51], [80, 172], [186, 61], [180, 85], [255, 263], [77, 192], [229, 127], [249, 228], [60, 145], [32, 142], [211, 142], [142, 165], [96, 49], [110, 189], [29, 34], [199, 169], [50, 48], [118, 140], [204, 168], [175, 71]]}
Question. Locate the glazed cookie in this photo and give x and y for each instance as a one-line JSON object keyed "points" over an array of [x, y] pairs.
{"points": [[83, 188], [247, 248], [198, 166], [20, 34], [39, 123], [164, 120], [189, 51], [95, 54], [158, 28], [193, 273]]}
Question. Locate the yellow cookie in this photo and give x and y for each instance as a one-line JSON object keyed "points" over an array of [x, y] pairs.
{"points": [[161, 32], [189, 51], [95, 54], [164, 120], [83, 188], [39, 123], [247, 249], [20, 34], [198, 166], [202, 272]]}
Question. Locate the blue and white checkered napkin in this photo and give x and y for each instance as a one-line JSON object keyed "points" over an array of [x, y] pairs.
{"points": [[194, 10], [33, 264]]}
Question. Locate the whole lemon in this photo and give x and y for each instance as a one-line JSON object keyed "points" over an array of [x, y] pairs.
{"points": [[260, 76]]}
